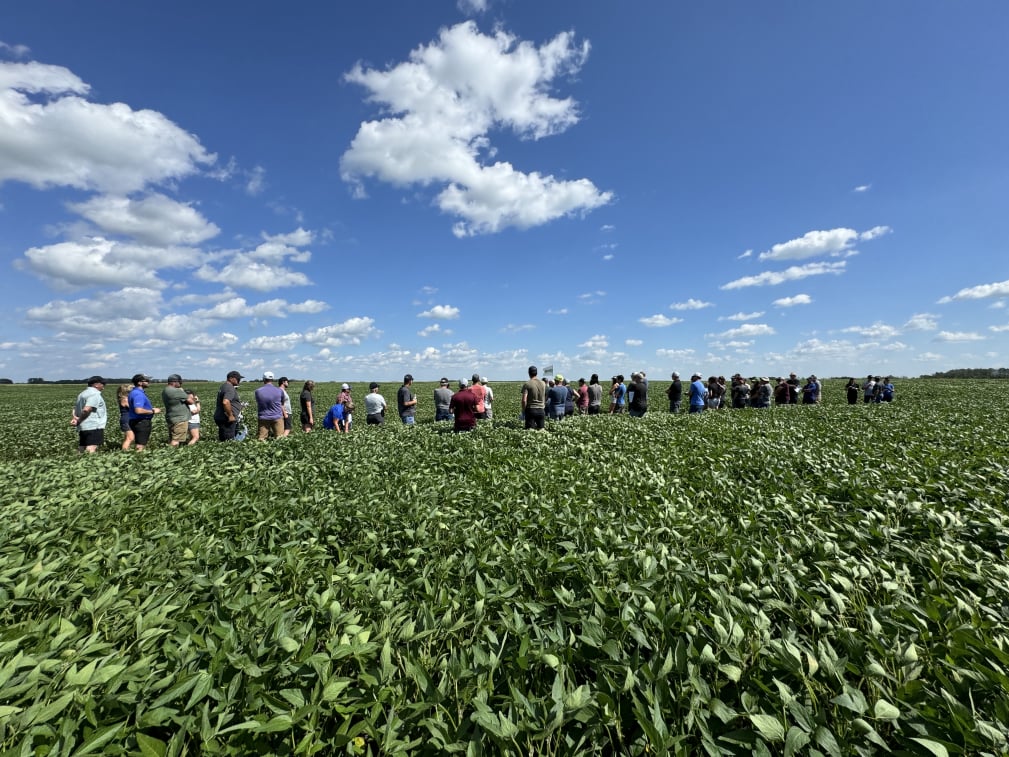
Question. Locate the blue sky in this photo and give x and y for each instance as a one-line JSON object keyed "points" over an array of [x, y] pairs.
{"points": [[357, 191]]}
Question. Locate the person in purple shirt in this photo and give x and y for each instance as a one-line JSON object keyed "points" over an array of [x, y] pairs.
{"points": [[270, 404]]}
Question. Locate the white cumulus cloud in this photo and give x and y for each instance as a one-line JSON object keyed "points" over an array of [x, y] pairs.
{"points": [[659, 321], [793, 273], [441, 105], [63, 139], [441, 312], [748, 330], [691, 304], [958, 336], [788, 302], [154, 219], [979, 292]]}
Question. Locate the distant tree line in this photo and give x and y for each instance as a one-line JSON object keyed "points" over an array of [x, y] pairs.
{"points": [[971, 373], [108, 381]]}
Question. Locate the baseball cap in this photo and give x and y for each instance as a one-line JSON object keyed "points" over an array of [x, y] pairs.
{"points": [[267, 375], [373, 385], [483, 379], [95, 380], [345, 386], [407, 378], [462, 383], [235, 374], [444, 382], [675, 374], [558, 377], [174, 377], [138, 377]]}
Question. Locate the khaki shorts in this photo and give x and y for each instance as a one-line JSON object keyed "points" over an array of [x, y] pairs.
{"points": [[178, 432], [276, 426]]}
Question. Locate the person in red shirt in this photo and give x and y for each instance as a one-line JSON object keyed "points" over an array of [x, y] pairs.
{"points": [[480, 392], [463, 406]]}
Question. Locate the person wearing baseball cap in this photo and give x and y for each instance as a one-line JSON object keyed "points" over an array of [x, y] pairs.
{"points": [[90, 416], [406, 401], [270, 408], [228, 409], [140, 413], [374, 406], [348, 405], [698, 393], [675, 393], [177, 414], [463, 407], [442, 400]]}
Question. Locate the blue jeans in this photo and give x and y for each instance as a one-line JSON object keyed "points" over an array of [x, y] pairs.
{"points": [[407, 419], [696, 408], [442, 415]]}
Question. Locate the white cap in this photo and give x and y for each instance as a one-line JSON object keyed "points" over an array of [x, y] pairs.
{"points": [[267, 375], [345, 386]]}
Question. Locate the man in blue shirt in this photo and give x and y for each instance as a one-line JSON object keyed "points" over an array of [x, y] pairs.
{"points": [[141, 412], [698, 393]]}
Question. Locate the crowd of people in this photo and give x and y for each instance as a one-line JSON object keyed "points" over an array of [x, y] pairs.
{"points": [[473, 400]]}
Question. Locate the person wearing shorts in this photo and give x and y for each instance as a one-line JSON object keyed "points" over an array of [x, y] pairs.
{"points": [[141, 413], [270, 406], [177, 415], [194, 418], [90, 416]]}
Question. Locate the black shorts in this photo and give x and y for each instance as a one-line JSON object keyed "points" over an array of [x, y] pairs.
{"points": [[287, 423], [124, 421], [141, 428], [93, 438]]}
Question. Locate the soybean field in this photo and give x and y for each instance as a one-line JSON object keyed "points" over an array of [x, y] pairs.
{"points": [[824, 580]]}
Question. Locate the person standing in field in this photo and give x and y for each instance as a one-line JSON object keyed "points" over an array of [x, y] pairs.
{"points": [[270, 408], [406, 401], [675, 393], [307, 401], [141, 412], [283, 383], [811, 391], [715, 393], [348, 405], [888, 390], [851, 391], [464, 405], [442, 401], [793, 394], [480, 393], [868, 388], [374, 406], [90, 416], [488, 398], [583, 397], [177, 415], [638, 393], [760, 396], [557, 395], [123, 399], [698, 394], [534, 396], [194, 418], [595, 395], [228, 408]]}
